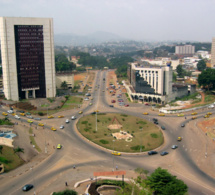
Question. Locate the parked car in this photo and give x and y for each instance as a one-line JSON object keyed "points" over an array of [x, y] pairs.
{"points": [[156, 122], [86, 99], [152, 152], [174, 146], [180, 114], [10, 111], [4, 113], [194, 113], [29, 121], [27, 187], [183, 125], [61, 116], [161, 114], [38, 119], [61, 127], [59, 146], [31, 117], [88, 94], [80, 112], [126, 105], [113, 101], [111, 105], [154, 119], [164, 153], [145, 113], [17, 117], [50, 116], [67, 121], [41, 124]]}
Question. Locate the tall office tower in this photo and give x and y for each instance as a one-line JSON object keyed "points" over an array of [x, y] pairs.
{"points": [[213, 53], [28, 65]]}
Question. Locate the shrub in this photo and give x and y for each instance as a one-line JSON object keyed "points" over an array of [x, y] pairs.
{"points": [[98, 120], [142, 122], [89, 124], [40, 113], [154, 135], [86, 129], [137, 148], [123, 119], [125, 115], [94, 131], [104, 141], [105, 134], [84, 122], [109, 119]]}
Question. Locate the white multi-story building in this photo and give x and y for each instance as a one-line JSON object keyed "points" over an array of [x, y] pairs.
{"points": [[185, 50], [213, 53], [28, 65]]}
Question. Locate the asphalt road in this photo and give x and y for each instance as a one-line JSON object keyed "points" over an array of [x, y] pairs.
{"points": [[88, 157]]}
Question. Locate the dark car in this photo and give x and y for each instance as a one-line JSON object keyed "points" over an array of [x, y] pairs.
{"points": [[21, 111], [88, 94], [182, 125], [152, 152], [156, 122], [93, 112], [164, 153], [154, 119], [111, 105], [163, 128], [27, 187]]}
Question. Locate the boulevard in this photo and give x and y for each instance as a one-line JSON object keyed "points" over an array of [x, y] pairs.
{"points": [[193, 160]]}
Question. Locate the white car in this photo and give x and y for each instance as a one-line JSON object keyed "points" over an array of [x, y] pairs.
{"points": [[10, 111], [61, 127], [30, 117], [73, 117], [67, 120], [86, 99], [17, 117]]}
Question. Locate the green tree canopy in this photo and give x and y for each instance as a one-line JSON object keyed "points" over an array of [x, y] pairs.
{"points": [[201, 65], [180, 71], [62, 63], [163, 183], [207, 78]]}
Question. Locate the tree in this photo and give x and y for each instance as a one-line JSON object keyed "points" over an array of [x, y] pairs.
{"points": [[180, 70], [201, 65], [18, 149], [1, 148], [207, 78], [163, 183], [66, 192], [64, 85]]}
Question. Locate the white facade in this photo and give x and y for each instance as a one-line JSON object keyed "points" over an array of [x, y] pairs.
{"points": [[213, 53], [184, 49], [9, 61]]}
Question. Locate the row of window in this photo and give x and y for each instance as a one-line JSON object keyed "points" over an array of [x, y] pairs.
{"points": [[31, 37], [149, 71]]}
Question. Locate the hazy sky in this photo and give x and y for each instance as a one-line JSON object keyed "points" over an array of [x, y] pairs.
{"points": [[133, 19]]}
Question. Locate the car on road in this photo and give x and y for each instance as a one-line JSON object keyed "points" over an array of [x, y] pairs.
{"points": [[17, 117], [29, 121], [20, 111], [164, 153], [194, 117], [183, 125], [67, 121], [61, 116], [38, 119], [59, 146], [23, 114], [180, 114], [152, 152], [27, 187], [50, 116], [126, 105], [163, 128], [206, 116], [145, 113], [174, 146], [116, 153], [156, 122], [113, 101], [80, 112], [86, 99], [10, 111], [53, 129], [31, 117], [88, 94], [121, 103], [111, 106], [161, 114], [93, 112], [209, 113], [61, 127], [194, 113], [179, 139], [41, 124], [4, 113], [154, 119], [146, 104], [28, 113], [73, 117], [120, 100], [91, 104]]}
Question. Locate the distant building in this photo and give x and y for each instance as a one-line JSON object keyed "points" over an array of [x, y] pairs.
{"points": [[185, 50], [213, 53], [28, 65], [150, 82]]}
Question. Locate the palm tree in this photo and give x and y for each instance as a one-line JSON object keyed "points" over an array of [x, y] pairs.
{"points": [[64, 85], [18, 149]]}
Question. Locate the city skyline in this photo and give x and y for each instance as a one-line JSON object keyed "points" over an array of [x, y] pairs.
{"points": [[136, 20]]}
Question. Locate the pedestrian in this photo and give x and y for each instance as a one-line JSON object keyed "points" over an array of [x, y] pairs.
{"points": [[66, 184], [116, 167], [73, 166]]}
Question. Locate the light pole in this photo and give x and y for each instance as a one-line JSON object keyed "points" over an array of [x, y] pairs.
{"points": [[96, 120], [33, 179], [113, 155]]}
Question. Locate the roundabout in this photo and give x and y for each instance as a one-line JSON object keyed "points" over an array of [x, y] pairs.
{"points": [[121, 132]]}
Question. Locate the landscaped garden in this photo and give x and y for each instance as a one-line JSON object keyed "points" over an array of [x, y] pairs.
{"points": [[121, 132]]}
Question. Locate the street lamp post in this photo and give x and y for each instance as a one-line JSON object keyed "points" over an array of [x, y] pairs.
{"points": [[113, 154]]}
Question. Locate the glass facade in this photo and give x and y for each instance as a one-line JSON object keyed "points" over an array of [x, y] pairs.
{"points": [[29, 46]]}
